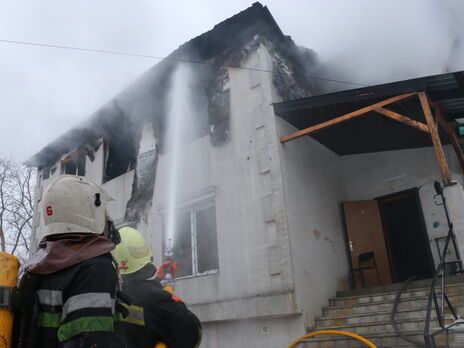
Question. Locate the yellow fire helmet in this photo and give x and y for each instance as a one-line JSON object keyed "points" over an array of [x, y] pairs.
{"points": [[133, 252]]}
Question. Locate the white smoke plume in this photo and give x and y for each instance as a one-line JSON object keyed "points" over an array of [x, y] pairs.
{"points": [[372, 42]]}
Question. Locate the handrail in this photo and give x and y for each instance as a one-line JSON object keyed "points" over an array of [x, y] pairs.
{"points": [[429, 336]]}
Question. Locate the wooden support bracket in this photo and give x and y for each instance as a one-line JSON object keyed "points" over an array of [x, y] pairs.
{"points": [[444, 169], [354, 114], [403, 119]]}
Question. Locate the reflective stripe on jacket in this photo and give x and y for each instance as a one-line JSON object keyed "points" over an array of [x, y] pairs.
{"points": [[155, 316], [77, 305]]}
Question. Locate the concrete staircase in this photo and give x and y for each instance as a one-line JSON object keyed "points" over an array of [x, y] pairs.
{"points": [[367, 313]]}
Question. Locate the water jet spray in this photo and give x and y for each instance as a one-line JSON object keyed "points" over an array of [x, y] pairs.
{"points": [[180, 127]]}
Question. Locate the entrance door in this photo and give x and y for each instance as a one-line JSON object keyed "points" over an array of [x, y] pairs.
{"points": [[365, 234], [406, 235]]}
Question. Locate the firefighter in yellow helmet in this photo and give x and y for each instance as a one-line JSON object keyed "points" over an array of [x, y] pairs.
{"points": [[72, 275], [155, 315]]}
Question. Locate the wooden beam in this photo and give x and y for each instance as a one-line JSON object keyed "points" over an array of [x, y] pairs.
{"points": [[357, 113], [403, 119], [444, 169], [451, 134]]}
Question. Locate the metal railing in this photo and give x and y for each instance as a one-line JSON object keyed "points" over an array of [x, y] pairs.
{"points": [[439, 300]]}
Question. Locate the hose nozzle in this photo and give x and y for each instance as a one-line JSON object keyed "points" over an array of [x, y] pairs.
{"points": [[169, 253], [168, 281]]}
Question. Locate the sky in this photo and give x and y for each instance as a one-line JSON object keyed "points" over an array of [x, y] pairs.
{"points": [[46, 91]]}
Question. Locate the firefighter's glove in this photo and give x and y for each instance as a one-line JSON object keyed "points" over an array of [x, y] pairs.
{"points": [[166, 267], [174, 268]]}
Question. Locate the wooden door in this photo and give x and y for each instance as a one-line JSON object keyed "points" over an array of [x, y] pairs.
{"points": [[365, 234]]}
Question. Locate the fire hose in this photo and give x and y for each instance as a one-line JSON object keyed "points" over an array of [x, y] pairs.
{"points": [[333, 332]]}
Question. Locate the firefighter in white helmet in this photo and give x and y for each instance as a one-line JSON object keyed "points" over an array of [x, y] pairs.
{"points": [[157, 318], [72, 273]]}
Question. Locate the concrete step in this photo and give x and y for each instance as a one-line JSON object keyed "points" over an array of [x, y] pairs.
{"points": [[419, 284], [367, 313], [364, 318], [386, 327], [411, 303], [456, 288], [382, 340]]}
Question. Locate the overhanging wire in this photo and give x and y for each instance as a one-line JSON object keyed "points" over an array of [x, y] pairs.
{"points": [[137, 55]]}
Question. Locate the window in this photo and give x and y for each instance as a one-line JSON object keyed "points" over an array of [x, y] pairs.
{"points": [[119, 159], [74, 163], [46, 173], [195, 241]]}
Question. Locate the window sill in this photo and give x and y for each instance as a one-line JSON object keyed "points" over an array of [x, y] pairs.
{"points": [[204, 274]]}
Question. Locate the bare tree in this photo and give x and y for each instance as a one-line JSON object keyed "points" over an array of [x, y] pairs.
{"points": [[16, 207]]}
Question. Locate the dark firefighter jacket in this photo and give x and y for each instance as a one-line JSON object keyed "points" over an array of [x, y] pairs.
{"points": [[156, 316], [76, 304]]}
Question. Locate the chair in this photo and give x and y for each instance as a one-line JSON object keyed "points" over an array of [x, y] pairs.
{"points": [[366, 261]]}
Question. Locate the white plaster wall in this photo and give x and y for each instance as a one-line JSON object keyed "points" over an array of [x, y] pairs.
{"points": [[94, 169], [263, 333], [255, 276], [377, 174], [455, 200], [120, 190], [314, 189]]}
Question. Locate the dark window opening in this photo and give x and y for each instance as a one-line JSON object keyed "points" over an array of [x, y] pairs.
{"points": [[74, 164], [118, 160], [206, 240], [195, 242], [46, 173], [183, 245]]}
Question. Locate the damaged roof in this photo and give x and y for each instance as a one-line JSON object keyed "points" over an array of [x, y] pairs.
{"points": [[229, 34], [373, 132]]}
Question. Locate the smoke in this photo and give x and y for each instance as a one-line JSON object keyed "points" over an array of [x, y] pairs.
{"points": [[372, 42], [47, 91]]}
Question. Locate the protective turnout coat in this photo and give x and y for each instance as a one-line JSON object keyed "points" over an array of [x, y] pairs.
{"points": [[75, 283], [156, 316]]}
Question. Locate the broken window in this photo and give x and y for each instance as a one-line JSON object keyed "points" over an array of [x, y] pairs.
{"points": [[46, 173], [195, 241], [74, 163], [119, 159]]}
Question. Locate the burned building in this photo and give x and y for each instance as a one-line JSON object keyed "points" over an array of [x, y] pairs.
{"points": [[261, 231]]}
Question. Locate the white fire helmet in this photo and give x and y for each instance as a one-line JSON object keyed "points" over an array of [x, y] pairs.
{"points": [[73, 204]]}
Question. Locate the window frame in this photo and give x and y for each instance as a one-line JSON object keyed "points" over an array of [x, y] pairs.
{"points": [[192, 207], [75, 156], [108, 153]]}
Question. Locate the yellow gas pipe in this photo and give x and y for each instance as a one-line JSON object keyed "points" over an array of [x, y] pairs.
{"points": [[9, 267], [333, 332]]}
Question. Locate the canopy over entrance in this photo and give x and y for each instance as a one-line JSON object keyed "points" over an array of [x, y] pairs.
{"points": [[392, 116]]}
